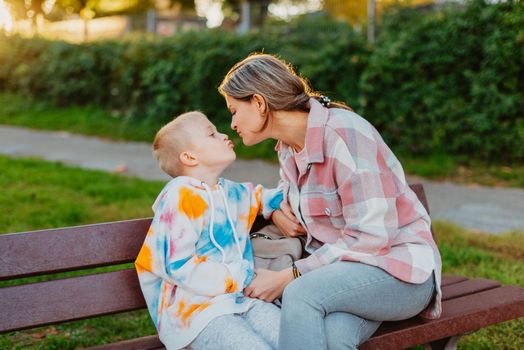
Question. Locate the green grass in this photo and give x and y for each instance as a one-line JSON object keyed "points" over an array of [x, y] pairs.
{"points": [[39, 195], [19, 111]]}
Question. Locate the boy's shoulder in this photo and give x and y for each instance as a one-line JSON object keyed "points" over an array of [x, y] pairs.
{"points": [[181, 189], [239, 190], [228, 184], [181, 182]]}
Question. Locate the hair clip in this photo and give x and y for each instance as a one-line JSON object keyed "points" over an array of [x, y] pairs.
{"points": [[324, 100]]}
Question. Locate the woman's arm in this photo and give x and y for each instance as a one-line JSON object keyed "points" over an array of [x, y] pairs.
{"points": [[283, 218], [269, 285]]}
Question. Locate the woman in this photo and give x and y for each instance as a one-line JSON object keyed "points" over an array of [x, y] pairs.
{"points": [[372, 256]]}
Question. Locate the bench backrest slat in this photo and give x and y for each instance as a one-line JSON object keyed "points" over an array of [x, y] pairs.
{"points": [[419, 191], [37, 304], [71, 248]]}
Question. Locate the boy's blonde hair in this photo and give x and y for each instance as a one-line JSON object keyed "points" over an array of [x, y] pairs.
{"points": [[171, 140]]}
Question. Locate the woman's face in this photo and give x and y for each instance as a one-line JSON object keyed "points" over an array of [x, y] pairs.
{"points": [[247, 119]]}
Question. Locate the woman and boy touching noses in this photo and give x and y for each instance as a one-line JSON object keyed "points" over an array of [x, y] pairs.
{"points": [[372, 256]]}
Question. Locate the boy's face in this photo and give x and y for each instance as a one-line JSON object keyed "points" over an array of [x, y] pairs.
{"points": [[211, 148]]}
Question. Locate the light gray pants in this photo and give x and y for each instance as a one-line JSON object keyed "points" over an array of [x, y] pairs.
{"points": [[340, 305], [255, 329]]}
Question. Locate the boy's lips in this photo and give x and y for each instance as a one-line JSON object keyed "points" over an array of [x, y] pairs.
{"points": [[230, 144]]}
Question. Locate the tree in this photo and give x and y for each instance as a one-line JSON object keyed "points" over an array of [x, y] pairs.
{"points": [[258, 10], [88, 9]]}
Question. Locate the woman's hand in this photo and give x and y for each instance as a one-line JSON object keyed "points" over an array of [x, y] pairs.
{"points": [[268, 285], [286, 221]]}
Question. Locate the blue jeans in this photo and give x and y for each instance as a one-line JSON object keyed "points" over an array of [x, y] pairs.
{"points": [[341, 305]]}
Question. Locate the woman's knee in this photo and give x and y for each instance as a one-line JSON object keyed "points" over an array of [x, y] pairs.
{"points": [[347, 331], [295, 298], [292, 290]]}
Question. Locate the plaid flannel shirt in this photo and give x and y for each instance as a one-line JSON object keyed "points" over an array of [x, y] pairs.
{"points": [[354, 201]]}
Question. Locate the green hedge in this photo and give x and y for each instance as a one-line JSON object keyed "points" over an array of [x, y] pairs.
{"points": [[155, 79], [434, 82], [451, 82]]}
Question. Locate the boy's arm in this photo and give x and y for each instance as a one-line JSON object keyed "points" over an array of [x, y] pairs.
{"points": [[264, 201], [169, 252]]}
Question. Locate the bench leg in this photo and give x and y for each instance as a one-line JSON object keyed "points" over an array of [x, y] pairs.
{"points": [[443, 344]]}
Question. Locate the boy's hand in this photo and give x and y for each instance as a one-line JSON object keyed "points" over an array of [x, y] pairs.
{"points": [[286, 221], [268, 285]]}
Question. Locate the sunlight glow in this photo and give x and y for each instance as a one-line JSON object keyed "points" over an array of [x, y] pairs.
{"points": [[48, 6], [286, 9], [212, 10], [6, 20]]}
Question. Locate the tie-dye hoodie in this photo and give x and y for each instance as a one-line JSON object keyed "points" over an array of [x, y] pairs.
{"points": [[197, 256]]}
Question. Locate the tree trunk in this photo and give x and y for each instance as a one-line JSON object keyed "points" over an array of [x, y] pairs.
{"points": [[245, 17], [371, 21], [86, 29]]}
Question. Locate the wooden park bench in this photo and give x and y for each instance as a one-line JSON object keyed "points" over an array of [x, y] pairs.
{"points": [[468, 304]]}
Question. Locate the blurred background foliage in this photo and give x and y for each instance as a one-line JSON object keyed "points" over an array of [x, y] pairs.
{"points": [[447, 81]]}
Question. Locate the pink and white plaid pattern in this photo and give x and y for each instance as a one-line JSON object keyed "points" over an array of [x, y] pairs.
{"points": [[354, 201]]}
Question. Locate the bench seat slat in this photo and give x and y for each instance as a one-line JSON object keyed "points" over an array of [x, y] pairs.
{"points": [[467, 287], [460, 315], [451, 279], [145, 343], [65, 249], [69, 299]]}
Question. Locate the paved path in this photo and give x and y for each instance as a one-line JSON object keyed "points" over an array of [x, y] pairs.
{"points": [[486, 209]]}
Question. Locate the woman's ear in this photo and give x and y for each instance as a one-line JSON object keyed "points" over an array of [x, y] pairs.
{"points": [[188, 159], [260, 103]]}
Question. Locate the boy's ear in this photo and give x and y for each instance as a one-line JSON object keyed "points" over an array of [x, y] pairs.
{"points": [[188, 159], [260, 103]]}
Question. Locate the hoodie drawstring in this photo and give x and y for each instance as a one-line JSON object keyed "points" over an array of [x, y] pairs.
{"points": [[212, 221], [211, 224], [230, 220]]}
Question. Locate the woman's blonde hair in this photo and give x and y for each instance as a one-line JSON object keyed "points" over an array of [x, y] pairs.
{"points": [[272, 78]]}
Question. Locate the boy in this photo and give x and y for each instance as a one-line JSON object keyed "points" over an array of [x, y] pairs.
{"points": [[197, 257]]}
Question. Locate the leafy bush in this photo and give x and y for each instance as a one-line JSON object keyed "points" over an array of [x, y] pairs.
{"points": [[451, 82], [154, 79]]}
